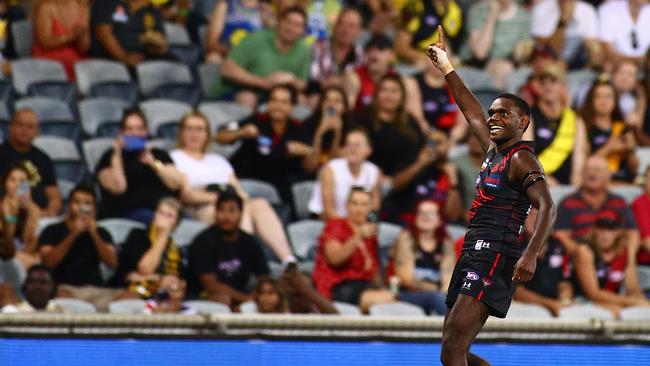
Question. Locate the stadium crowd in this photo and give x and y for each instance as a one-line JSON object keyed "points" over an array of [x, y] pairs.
{"points": [[295, 156]]}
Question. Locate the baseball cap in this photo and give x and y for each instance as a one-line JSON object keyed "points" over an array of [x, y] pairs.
{"points": [[609, 219], [379, 41]]}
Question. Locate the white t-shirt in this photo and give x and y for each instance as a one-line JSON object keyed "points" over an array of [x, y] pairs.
{"points": [[343, 183], [211, 169], [584, 25], [616, 27]]}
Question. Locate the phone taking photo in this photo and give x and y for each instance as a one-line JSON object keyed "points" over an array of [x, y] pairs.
{"points": [[23, 189], [134, 143]]}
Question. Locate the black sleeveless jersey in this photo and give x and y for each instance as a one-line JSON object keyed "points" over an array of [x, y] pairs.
{"points": [[500, 207]]}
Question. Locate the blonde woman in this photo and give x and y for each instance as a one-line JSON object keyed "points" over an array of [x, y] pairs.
{"points": [[206, 172]]}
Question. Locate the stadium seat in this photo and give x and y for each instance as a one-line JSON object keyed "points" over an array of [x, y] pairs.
{"points": [[635, 313], [176, 34], [528, 311], [22, 33], [189, 55], [181, 45], [304, 237], [127, 306], [209, 77], [258, 188], [220, 113], [75, 306], [65, 187], [558, 193], [347, 309], [163, 116], [105, 78], [187, 230], [643, 153], [41, 77], [167, 80], [65, 156], [629, 193], [517, 78], [302, 192], [208, 307], [578, 79], [276, 269], [119, 228], [100, 117], [301, 112], [588, 311], [457, 150], [248, 307], [93, 150], [406, 70], [455, 231], [204, 6], [55, 117], [388, 234], [475, 78], [643, 272], [398, 308]]}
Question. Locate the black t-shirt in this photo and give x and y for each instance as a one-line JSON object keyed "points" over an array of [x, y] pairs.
{"points": [[233, 262], [134, 248], [127, 27], [393, 148], [39, 166], [81, 265], [144, 187], [266, 157], [552, 269]]}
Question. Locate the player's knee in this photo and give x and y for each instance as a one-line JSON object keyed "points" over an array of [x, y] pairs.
{"points": [[453, 344]]}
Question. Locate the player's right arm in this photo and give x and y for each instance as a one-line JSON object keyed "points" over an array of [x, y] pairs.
{"points": [[467, 102]]}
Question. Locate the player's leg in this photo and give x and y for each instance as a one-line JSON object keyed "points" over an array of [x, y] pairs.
{"points": [[461, 326]]}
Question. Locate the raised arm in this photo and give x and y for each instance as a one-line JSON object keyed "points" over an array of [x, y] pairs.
{"points": [[467, 102], [527, 172]]}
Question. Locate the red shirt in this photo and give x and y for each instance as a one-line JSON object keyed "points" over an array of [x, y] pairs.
{"points": [[641, 209], [327, 276]]}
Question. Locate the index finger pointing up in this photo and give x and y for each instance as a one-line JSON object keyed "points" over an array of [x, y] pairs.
{"points": [[441, 38]]}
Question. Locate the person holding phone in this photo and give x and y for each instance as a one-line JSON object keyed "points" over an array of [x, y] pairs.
{"points": [[133, 176], [19, 220]]}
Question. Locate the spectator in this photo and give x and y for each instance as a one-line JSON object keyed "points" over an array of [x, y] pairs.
{"points": [[132, 176], [542, 56], [361, 82], [499, 33], [631, 95], [577, 212], [269, 57], [274, 148], [19, 147], [206, 172], [326, 126], [432, 105], [608, 135], [560, 135], [641, 207], [641, 125], [223, 258], [149, 254], [39, 290], [61, 31], [332, 57], [231, 21], [270, 298], [73, 250], [169, 298], [19, 220], [624, 29], [321, 17], [431, 176], [294, 294], [571, 28], [468, 165], [128, 31], [391, 126], [423, 259], [329, 198], [551, 285], [347, 261], [419, 22], [603, 267], [10, 12]]}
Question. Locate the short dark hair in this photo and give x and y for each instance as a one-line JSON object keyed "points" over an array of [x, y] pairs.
{"points": [[83, 188], [41, 268], [520, 103], [130, 112], [366, 190], [230, 195], [360, 130], [293, 92], [294, 9]]}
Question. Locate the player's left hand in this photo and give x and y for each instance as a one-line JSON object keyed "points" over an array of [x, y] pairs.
{"points": [[524, 269]]}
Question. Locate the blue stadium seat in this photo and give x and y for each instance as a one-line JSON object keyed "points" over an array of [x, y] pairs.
{"points": [[100, 117], [164, 116], [65, 156], [166, 79]]}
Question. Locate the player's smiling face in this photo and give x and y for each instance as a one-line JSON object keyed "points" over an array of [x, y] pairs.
{"points": [[503, 120]]}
